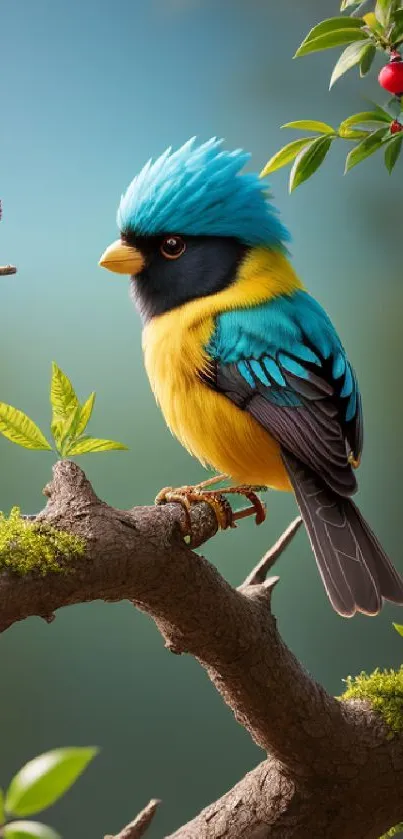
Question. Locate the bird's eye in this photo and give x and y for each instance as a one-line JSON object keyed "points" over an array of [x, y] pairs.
{"points": [[172, 247]]}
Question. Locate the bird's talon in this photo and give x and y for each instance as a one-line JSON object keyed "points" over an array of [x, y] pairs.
{"points": [[355, 461], [216, 499]]}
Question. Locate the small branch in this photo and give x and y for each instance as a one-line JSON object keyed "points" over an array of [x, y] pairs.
{"points": [[137, 828], [259, 573], [7, 269]]}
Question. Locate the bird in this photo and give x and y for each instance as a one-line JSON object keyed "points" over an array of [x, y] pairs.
{"points": [[246, 366]]}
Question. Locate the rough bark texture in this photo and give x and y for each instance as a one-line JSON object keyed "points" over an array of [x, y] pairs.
{"points": [[333, 770]]}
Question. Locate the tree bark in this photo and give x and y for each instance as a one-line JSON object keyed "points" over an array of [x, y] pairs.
{"points": [[333, 768]]}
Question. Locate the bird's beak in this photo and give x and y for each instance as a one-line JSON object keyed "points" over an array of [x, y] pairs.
{"points": [[122, 259]]}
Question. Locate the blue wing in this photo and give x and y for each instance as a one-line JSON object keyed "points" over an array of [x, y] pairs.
{"points": [[284, 363]]}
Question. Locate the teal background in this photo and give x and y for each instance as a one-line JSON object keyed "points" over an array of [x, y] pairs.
{"points": [[89, 90]]}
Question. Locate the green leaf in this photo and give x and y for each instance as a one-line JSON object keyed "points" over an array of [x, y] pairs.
{"points": [[310, 125], [364, 118], [20, 429], [45, 779], [285, 155], [367, 147], [392, 151], [397, 29], [367, 59], [93, 444], [62, 394], [347, 3], [398, 16], [395, 107], [352, 55], [2, 815], [352, 133], [68, 431], [382, 111], [85, 415], [399, 628], [332, 24], [29, 830], [309, 160], [383, 10], [332, 39], [372, 23]]}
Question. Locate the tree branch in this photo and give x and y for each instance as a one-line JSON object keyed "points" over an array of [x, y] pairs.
{"points": [[333, 770], [138, 828], [259, 574]]}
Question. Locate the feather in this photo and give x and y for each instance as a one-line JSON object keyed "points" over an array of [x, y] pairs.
{"points": [[199, 191], [355, 570]]}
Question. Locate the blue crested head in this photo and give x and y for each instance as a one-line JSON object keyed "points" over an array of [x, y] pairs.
{"points": [[198, 191]]}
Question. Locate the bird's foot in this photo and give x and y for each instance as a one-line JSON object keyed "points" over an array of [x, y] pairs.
{"points": [[355, 461], [216, 499]]}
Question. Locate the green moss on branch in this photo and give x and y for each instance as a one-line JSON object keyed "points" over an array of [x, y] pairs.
{"points": [[35, 546], [394, 831], [384, 690]]}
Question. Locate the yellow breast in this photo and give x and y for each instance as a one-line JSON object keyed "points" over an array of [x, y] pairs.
{"points": [[207, 423]]}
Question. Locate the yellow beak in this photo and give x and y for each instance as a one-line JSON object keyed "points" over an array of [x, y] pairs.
{"points": [[122, 259]]}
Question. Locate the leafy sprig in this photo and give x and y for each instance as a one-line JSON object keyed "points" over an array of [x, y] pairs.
{"points": [[69, 421], [40, 783], [370, 131]]}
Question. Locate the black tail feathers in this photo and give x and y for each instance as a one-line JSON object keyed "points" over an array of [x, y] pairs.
{"points": [[355, 570]]}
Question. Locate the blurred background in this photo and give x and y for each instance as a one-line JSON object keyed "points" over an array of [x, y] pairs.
{"points": [[90, 90]]}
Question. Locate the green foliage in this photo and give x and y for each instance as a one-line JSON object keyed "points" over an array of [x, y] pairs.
{"points": [[378, 30], [392, 152], [69, 421], [310, 125], [285, 155], [1, 807], [366, 147], [394, 831], [354, 54], [384, 690], [367, 56], [18, 428], [35, 547], [45, 779], [39, 784], [29, 830], [308, 160], [332, 32]]}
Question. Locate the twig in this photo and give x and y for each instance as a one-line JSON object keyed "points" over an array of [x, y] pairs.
{"points": [[137, 828], [259, 573]]}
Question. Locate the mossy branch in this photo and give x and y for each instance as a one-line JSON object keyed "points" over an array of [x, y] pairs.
{"points": [[27, 546], [334, 767]]}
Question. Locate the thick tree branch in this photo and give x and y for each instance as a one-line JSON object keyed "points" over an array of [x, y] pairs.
{"points": [[332, 770]]}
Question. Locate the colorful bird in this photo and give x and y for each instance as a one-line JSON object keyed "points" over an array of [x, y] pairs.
{"points": [[246, 366]]}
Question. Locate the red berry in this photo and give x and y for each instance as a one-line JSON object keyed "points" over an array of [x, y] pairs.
{"points": [[391, 76], [396, 126]]}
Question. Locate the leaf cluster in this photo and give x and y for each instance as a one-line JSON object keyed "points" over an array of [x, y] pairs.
{"points": [[40, 783], [379, 30], [69, 421]]}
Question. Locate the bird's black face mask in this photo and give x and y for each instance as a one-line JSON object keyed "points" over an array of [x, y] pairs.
{"points": [[170, 270]]}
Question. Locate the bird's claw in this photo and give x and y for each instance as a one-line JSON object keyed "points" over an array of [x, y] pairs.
{"points": [[216, 499]]}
